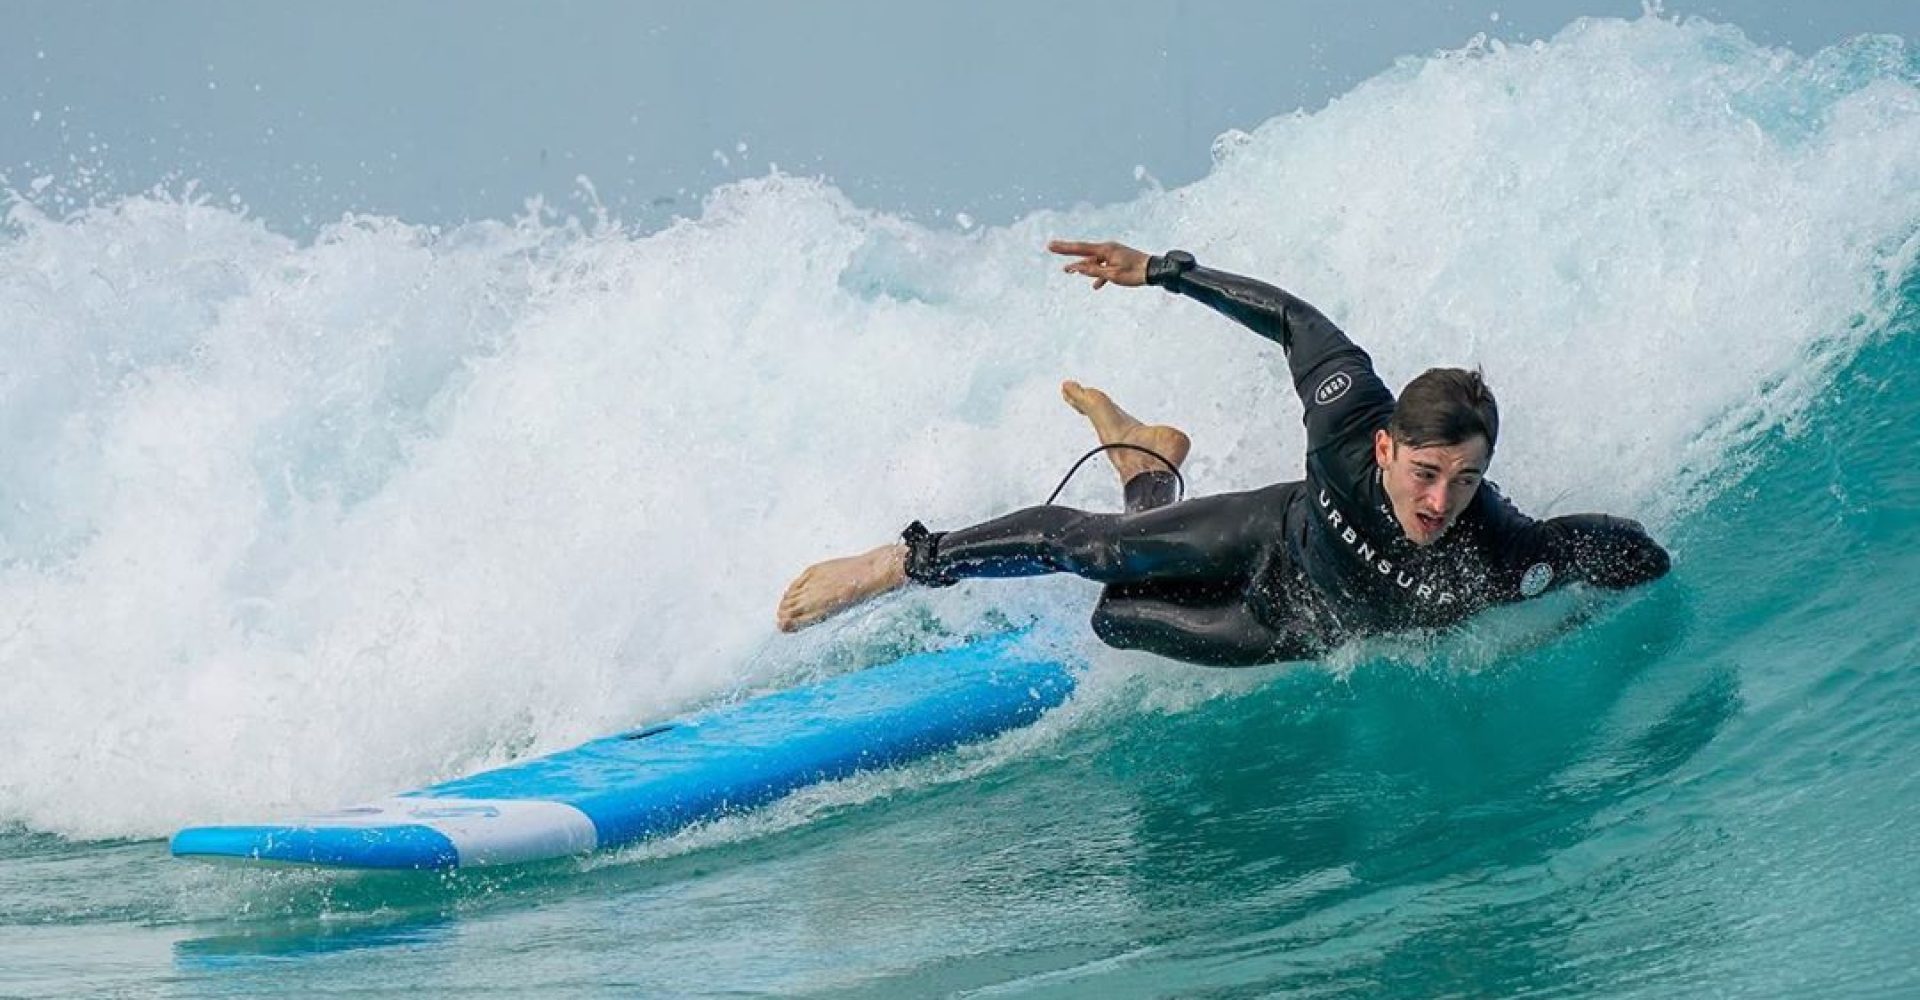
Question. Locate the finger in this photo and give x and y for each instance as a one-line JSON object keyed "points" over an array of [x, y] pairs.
{"points": [[1099, 283], [1074, 247]]}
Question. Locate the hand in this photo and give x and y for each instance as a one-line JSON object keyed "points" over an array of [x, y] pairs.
{"points": [[1104, 262]]}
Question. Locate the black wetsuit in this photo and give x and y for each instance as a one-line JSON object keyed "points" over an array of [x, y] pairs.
{"points": [[1284, 572]]}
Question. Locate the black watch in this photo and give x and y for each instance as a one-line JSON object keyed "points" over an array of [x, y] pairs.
{"points": [[1165, 271]]}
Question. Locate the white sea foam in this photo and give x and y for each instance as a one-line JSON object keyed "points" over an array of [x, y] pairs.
{"points": [[286, 525]]}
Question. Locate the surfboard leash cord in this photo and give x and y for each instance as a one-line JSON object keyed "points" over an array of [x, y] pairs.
{"points": [[1178, 479]]}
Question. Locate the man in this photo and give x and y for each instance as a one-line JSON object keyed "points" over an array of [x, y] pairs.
{"points": [[1393, 527]]}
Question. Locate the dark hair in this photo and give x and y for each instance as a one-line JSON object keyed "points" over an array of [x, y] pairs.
{"points": [[1445, 406]]}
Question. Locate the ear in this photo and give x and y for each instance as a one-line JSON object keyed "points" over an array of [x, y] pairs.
{"points": [[1382, 448]]}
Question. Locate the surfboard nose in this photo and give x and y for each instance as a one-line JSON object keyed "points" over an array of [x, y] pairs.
{"points": [[403, 846]]}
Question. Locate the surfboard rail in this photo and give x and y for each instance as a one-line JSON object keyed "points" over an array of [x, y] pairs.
{"points": [[657, 779]]}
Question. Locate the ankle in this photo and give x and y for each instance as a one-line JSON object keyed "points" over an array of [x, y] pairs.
{"points": [[1150, 489], [889, 565]]}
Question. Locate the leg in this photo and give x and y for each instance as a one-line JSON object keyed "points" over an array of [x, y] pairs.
{"points": [[1207, 538], [1113, 425], [830, 587], [1198, 621], [1204, 622], [1215, 537], [1150, 491], [827, 588]]}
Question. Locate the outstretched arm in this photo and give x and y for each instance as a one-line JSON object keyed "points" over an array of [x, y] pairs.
{"points": [[1598, 549], [1333, 376]]}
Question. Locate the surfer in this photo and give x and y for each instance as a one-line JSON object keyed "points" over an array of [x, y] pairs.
{"points": [[1394, 527]]}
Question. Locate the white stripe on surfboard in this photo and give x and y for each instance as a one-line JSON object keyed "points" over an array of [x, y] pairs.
{"points": [[483, 831]]}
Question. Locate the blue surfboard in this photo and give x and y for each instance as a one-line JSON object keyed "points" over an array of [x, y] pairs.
{"points": [[660, 778]]}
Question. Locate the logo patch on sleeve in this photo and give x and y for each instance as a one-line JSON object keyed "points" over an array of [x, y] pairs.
{"points": [[1535, 582], [1335, 386]]}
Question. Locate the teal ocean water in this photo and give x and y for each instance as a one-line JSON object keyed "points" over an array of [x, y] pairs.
{"points": [[288, 523]]}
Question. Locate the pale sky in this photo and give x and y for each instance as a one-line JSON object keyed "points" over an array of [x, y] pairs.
{"points": [[443, 111]]}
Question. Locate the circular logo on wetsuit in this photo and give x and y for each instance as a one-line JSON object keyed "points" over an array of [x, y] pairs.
{"points": [[1534, 583], [1335, 386]]}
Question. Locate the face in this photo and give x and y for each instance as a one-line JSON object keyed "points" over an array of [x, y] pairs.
{"points": [[1430, 486]]}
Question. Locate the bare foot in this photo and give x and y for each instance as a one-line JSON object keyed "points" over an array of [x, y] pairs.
{"points": [[1114, 425], [828, 588]]}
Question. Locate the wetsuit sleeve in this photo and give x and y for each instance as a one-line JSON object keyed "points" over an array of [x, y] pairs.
{"points": [[1597, 549], [1334, 378]]}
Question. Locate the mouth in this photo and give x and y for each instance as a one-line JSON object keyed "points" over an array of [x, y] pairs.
{"points": [[1430, 524]]}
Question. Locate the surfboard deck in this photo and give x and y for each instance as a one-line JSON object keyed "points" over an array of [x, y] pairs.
{"points": [[661, 778]]}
